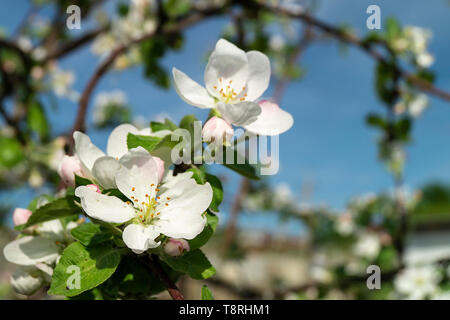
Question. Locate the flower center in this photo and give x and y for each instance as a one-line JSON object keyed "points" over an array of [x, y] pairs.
{"points": [[146, 209], [227, 93]]}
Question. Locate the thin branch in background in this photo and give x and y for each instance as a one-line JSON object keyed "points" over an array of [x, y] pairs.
{"points": [[304, 42], [190, 19], [75, 44], [357, 42]]}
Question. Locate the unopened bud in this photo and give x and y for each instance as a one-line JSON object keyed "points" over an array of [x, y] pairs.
{"points": [[217, 129], [176, 247], [94, 187], [20, 216], [68, 167]]}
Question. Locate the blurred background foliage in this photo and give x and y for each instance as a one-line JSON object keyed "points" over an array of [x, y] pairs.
{"points": [[404, 232]]}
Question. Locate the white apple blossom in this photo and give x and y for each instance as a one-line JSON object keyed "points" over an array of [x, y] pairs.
{"points": [[35, 255], [61, 82], [367, 246], [418, 282], [105, 99], [234, 80], [174, 209], [101, 167]]}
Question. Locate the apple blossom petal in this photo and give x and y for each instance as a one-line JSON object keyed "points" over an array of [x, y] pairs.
{"points": [[138, 176], [21, 216], [86, 151], [140, 238], [259, 74], [26, 280], [239, 114], [52, 229], [183, 217], [226, 63], [67, 168], [103, 207], [190, 91], [272, 120], [117, 142], [104, 171], [29, 250], [170, 180]]}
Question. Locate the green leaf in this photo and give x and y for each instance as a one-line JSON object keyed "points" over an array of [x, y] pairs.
{"points": [[206, 234], [11, 152], [132, 276], [80, 181], [206, 293], [37, 121], [194, 263], [62, 207], [245, 169], [147, 142], [96, 264], [167, 125], [90, 234], [188, 122], [217, 191], [199, 175], [375, 120]]}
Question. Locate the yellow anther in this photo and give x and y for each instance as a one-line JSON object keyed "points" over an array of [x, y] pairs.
{"points": [[132, 189]]}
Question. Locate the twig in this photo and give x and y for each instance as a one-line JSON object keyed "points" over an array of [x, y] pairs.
{"points": [[357, 42], [183, 23], [171, 287], [304, 42], [75, 44]]}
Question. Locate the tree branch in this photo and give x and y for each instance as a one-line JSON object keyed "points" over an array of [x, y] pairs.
{"points": [[75, 44], [357, 42], [182, 23], [171, 287]]}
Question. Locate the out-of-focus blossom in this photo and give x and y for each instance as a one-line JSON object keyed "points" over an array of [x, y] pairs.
{"points": [[418, 282], [367, 246], [21, 216]]}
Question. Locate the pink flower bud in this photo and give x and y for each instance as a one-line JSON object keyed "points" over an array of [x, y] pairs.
{"points": [[94, 187], [68, 167], [217, 129], [176, 247], [160, 167], [20, 216]]}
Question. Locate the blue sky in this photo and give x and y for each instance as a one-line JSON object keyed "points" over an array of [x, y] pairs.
{"points": [[329, 145]]}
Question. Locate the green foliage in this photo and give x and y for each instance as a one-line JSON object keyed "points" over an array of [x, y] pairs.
{"points": [[194, 263], [206, 293], [91, 234], [62, 207], [167, 125], [11, 152], [244, 169], [217, 188], [96, 265], [207, 233], [80, 181], [147, 142], [37, 121]]}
